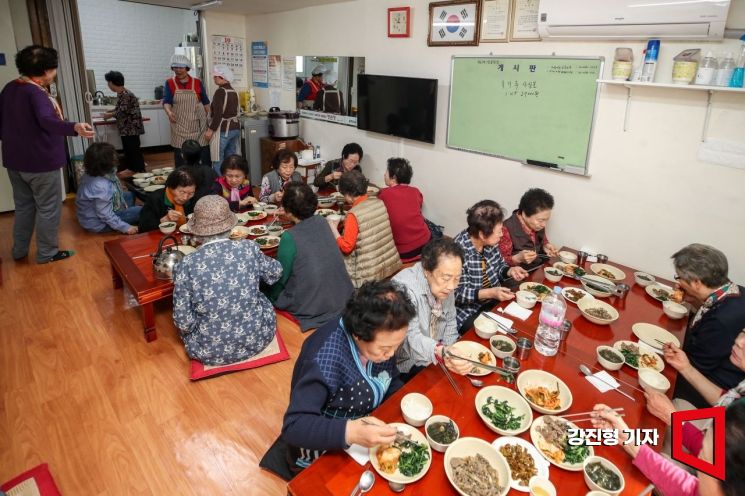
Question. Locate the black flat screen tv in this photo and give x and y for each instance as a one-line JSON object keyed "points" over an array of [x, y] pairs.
{"points": [[397, 106]]}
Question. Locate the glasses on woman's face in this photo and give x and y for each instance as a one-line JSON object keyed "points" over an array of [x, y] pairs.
{"points": [[443, 278]]}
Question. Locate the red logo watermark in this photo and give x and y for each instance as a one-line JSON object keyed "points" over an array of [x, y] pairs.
{"points": [[715, 469]]}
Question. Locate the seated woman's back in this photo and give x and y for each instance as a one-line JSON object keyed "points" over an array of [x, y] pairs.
{"points": [[312, 263], [404, 205], [217, 305]]}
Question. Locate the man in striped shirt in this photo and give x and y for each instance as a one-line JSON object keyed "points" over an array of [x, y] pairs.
{"points": [[484, 269]]}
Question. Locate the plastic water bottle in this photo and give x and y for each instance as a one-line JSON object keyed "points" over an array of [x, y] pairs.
{"points": [[726, 68], [317, 152], [707, 70], [736, 81], [548, 335]]}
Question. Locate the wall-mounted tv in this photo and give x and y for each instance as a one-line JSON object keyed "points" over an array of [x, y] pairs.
{"points": [[397, 106]]}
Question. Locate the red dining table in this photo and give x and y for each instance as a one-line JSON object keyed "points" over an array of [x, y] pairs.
{"points": [[337, 473]]}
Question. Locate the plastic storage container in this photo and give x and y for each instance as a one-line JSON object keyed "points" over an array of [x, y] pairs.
{"points": [[548, 335]]}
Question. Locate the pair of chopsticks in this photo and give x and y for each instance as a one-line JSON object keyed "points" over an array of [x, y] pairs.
{"points": [[529, 271], [588, 415], [664, 342], [449, 376], [480, 365], [502, 326]]}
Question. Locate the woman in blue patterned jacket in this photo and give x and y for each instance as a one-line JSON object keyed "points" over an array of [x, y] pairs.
{"points": [[217, 305], [345, 370]]}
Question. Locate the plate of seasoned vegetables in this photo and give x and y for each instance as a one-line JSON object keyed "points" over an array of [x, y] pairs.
{"points": [[476, 352], [545, 392], [552, 436], [573, 295], [406, 460], [639, 355], [503, 410], [539, 290], [608, 272], [570, 269], [267, 242], [524, 460]]}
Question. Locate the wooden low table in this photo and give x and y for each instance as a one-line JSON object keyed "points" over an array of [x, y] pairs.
{"points": [[337, 473], [132, 264]]}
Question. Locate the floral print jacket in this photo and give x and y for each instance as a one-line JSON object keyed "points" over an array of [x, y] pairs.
{"points": [[217, 306]]}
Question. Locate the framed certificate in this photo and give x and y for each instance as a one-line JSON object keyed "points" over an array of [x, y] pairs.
{"points": [[454, 23], [399, 22], [495, 20], [524, 25]]}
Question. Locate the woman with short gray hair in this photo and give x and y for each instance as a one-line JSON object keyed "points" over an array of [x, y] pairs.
{"points": [[701, 273]]}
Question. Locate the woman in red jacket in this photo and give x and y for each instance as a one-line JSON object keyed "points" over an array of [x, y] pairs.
{"points": [[404, 205]]}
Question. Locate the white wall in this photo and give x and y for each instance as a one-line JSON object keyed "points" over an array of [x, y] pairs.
{"points": [[648, 194], [134, 39]]}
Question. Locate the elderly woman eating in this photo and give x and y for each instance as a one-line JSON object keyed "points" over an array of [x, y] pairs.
{"points": [[311, 263], [170, 204], [217, 306], [701, 273], [430, 285], [345, 370], [351, 155], [273, 183], [484, 269], [524, 241], [367, 243]]}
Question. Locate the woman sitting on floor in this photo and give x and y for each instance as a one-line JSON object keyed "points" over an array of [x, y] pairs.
{"points": [[311, 263], [404, 205], [101, 204], [170, 204], [345, 370], [217, 306], [524, 240], [431, 285], [234, 184], [273, 183], [367, 243], [484, 269]]}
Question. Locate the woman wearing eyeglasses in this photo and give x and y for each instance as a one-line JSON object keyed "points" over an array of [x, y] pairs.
{"points": [[701, 273], [431, 285]]}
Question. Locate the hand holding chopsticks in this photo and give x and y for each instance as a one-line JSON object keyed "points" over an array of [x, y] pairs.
{"points": [[592, 414]]}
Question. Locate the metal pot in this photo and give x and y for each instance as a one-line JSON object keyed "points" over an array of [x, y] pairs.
{"points": [[284, 124], [165, 260], [99, 98]]}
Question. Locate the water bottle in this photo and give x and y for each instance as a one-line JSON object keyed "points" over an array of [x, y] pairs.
{"points": [[317, 152], [548, 335], [707, 70], [726, 68], [739, 73], [650, 61]]}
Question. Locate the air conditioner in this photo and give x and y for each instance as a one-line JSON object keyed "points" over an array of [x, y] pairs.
{"points": [[633, 19]]}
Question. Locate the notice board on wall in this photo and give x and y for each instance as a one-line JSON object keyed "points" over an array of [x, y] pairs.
{"points": [[536, 110]]}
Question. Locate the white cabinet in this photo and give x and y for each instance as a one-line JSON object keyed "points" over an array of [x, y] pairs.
{"points": [[152, 128], [164, 126]]}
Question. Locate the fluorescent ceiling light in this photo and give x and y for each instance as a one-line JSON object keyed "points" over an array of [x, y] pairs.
{"points": [[209, 3]]}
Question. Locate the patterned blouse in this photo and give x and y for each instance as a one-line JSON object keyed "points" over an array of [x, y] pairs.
{"points": [[128, 115], [217, 305]]}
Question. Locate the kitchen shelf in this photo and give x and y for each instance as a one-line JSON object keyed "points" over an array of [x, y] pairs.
{"points": [[710, 90]]}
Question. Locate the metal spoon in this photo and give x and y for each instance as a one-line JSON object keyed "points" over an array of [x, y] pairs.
{"points": [[586, 370], [397, 487], [475, 383], [367, 479]]}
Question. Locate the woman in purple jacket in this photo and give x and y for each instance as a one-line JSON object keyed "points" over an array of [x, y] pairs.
{"points": [[32, 131]]}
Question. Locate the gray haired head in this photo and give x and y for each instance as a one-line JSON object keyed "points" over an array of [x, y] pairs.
{"points": [[701, 262]]}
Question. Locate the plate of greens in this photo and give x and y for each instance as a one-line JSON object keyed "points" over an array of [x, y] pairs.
{"points": [[538, 289], [640, 355], [503, 410], [406, 460], [552, 435]]}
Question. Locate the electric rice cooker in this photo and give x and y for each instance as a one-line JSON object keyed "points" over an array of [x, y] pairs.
{"points": [[284, 124]]}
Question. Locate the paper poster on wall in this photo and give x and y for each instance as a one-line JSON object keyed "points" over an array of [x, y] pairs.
{"points": [[525, 21], [274, 97], [230, 51], [288, 73], [275, 71], [259, 64]]}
